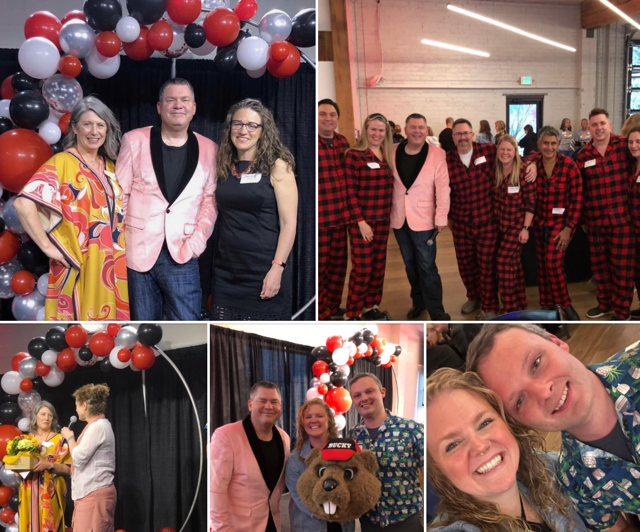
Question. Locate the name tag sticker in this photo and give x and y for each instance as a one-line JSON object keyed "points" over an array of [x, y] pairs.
{"points": [[513, 190], [638, 180], [558, 210], [374, 166], [480, 160], [110, 174], [47, 444], [592, 162], [250, 178]]}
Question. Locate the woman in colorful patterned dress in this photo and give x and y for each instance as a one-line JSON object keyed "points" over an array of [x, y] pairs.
{"points": [[43, 493], [72, 209]]}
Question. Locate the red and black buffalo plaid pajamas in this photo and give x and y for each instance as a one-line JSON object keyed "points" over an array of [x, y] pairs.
{"points": [[369, 192], [605, 212], [510, 203], [333, 218], [634, 208], [558, 206], [473, 225]]}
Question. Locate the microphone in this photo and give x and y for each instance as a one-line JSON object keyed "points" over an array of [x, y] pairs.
{"points": [[432, 240], [72, 421]]}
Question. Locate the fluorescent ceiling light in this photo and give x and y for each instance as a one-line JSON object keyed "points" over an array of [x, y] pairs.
{"points": [[620, 13], [509, 28], [454, 47]]}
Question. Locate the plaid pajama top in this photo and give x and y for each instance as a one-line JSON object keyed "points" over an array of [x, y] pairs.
{"points": [[333, 209], [370, 186], [605, 184], [634, 196], [471, 188], [510, 203]]}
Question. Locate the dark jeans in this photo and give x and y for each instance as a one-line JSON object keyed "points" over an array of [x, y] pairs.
{"points": [[420, 265], [415, 523], [168, 290]]}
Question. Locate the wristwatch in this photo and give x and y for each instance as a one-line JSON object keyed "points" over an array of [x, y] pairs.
{"points": [[279, 263], [526, 227]]}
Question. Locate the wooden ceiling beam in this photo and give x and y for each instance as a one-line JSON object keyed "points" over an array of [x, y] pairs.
{"points": [[595, 14]]}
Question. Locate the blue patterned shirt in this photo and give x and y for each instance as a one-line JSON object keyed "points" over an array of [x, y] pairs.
{"points": [[601, 484], [399, 449]]}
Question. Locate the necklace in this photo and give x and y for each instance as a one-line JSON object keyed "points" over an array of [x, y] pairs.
{"points": [[247, 171]]}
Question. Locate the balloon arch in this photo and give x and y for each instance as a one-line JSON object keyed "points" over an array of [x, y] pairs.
{"points": [[50, 358], [36, 102]]}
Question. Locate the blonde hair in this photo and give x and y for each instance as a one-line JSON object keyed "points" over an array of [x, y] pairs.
{"points": [[95, 395], [302, 434], [500, 125], [362, 144], [514, 176], [543, 492], [630, 123]]}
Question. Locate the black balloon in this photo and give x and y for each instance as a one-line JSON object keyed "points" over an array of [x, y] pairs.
{"points": [[303, 29], [21, 81], [330, 386], [14, 501], [367, 336], [28, 109], [244, 34], [85, 353], [194, 35], [37, 346], [10, 413], [10, 397], [33, 258], [5, 125], [105, 365], [57, 147], [55, 338], [339, 378], [147, 11], [2, 225], [226, 58], [38, 384], [376, 360], [333, 367], [357, 339], [374, 351], [321, 352], [398, 350], [149, 334], [102, 15]]}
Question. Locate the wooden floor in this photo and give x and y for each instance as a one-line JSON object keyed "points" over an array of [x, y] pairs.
{"points": [[397, 302]]}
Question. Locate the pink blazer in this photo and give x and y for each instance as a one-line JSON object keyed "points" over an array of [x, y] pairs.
{"points": [[148, 217], [239, 496], [426, 203]]}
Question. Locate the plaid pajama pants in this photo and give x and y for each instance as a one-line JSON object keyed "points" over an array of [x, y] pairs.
{"points": [[332, 269], [612, 261], [510, 272], [476, 255], [368, 261], [552, 279]]}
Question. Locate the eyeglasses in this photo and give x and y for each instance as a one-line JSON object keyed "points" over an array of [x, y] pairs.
{"points": [[236, 125], [463, 134], [377, 116]]}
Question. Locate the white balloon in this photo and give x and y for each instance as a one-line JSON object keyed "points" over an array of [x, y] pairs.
{"points": [[4, 109], [102, 67], [385, 358], [312, 393], [43, 282], [39, 57], [54, 377], [132, 366], [253, 53], [49, 357], [128, 29], [341, 422], [10, 382], [315, 382], [362, 348], [95, 327], [16, 519], [373, 328], [257, 73], [389, 349], [50, 132], [23, 424], [346, 369], [351, 347], [203, 50], [340, 356], [325, 378], [115, 361]]}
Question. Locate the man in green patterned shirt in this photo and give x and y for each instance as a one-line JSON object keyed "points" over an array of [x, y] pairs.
{"points": [[399, 447]]}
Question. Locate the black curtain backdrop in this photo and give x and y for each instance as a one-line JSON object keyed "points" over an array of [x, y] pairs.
{"points": [[132, 94], [157, 455]]}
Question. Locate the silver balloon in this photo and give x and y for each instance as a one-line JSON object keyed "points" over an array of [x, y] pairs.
{"points": [[178, 47], [127, 337], [77, 38], [275, 26], [7, 270], [62, 93], [212, 4], [28, 400], [43, 283], [9, 478], [25, 308], [11, 218], [27, 368], [12, 527]]}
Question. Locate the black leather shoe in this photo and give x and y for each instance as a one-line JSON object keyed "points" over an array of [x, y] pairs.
{"points": [[414, 312], [373, 314], [571, 313], [441, 316], [635, 314]]}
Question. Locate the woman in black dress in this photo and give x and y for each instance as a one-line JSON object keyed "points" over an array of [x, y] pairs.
{"points": [[257, 200]]}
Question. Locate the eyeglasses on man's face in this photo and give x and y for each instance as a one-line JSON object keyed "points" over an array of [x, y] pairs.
{"points": [[237, 125], [463, 134]]}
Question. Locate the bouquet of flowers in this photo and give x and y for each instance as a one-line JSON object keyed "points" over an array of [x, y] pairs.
{"points": [[23, 444]]}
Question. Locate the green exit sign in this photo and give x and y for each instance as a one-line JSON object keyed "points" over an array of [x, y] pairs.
{"points": [[526, 80]]}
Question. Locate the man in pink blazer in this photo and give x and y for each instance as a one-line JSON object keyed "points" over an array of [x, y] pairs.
{"points": [[419, 212], [247, 460], [168, 179]]}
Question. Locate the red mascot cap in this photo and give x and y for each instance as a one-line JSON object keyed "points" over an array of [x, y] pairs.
{"points": [[340, 449]]}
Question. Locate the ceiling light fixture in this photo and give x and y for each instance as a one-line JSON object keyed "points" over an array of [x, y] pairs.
{"points": [[620, 13], [509, 28], [454, 47]]}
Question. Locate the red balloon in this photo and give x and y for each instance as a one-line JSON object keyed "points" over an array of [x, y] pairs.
{"points": [[245, 9], [101, 344], [7, 515], [334, 342], [222, 26], [351, 361], [17, 358], [69, 66], [383, 342], [108, 44], [288, 67], [7, 433], [142, 357], [63, 123], [23, 282], [367, 353], [76, 13], [6, 90], [66, 360], [22, 152], [184, 11], [394, 358], [76, 336], [139, 50], [319, 367], [160, 36], [9, 246], [124, 355], [323, 389], [166, 529], [357, 355], [376, 342], [113, 328], [279, 51], [26, 385], [339, 399], [42, 369], [387, 365], [43, 24], [6, 491]]}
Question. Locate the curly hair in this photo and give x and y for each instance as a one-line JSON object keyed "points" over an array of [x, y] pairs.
{"points": [[543, 492], [33, 417], [95, 395], [269, 147], [302, 434]]}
